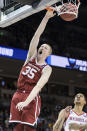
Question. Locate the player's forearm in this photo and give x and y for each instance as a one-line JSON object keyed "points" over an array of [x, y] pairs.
{"points": [[42, 26], [40, 84], [61, 118], [75, 126], [35, 40], [34, 92], [59, 124], [83, 127], [39, 31], [32, 95]]}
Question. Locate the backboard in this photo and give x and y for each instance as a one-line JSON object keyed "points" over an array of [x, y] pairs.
{"points": [[16, 14]]}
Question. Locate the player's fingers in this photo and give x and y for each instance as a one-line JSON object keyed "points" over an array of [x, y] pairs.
{"points": [[21, 108], [16, 106], [18, 109], [68, 108]]}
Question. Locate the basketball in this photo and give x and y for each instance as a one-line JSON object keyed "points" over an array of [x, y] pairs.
{"points": [[68, 12], [68, 17]]}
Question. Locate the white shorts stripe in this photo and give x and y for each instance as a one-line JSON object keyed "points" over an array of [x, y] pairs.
{"points": [[13, 121]]}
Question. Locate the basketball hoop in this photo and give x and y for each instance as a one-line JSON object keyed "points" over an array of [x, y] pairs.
{"points": [[68, 11]]}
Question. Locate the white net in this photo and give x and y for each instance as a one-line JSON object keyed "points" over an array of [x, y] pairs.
{"points": [[69, 7], [75, 2]]}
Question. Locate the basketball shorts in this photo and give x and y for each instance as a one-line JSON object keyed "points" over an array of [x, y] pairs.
{"points": [[29, 114]]}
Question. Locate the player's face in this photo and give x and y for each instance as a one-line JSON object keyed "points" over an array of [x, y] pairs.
{"points": [[44, 50], [80, 99]]}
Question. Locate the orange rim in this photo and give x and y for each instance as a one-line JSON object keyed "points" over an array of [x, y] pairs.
{"points": [[49, 8]]}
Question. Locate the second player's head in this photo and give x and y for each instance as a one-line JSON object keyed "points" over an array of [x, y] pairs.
{"points": [[80, 99], [44, 51]]}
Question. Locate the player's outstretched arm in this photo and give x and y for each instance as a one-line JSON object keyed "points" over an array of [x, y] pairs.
{"points": [[75, 126], [59, 123], [61, 118], [40, 84], [35, 40]]}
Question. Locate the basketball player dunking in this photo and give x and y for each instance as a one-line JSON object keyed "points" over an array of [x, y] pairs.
{"points": [[73, 119], [25, 104]]}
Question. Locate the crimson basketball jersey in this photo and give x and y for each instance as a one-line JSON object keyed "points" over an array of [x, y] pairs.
{"points": [[29, 75], [75, 118]]}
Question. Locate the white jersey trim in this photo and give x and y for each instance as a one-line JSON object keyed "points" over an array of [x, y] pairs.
{"points": [[36, 107]]}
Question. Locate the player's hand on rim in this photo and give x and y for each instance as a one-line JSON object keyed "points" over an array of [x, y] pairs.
{"points": [[50, 14], [21, 105]]}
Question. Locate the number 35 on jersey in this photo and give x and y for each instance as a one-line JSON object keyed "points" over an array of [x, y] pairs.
{"points": [[29, 72]]}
